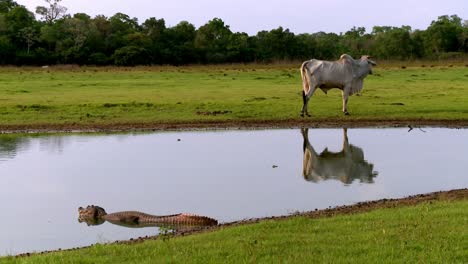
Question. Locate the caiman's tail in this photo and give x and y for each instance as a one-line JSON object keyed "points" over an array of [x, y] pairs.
{"points": [[188, 219], [143, 219]]}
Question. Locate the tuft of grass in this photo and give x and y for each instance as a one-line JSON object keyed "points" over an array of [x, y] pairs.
{"points": [[432, 232]]}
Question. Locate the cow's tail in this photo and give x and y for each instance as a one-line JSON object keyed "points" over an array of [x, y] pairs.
{"points": [[305, 77]]}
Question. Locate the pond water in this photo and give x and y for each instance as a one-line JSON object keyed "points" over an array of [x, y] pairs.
{"points": [[226, 175]]}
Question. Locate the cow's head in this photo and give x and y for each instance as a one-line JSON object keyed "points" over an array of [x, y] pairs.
{"points": [[367, 59]]}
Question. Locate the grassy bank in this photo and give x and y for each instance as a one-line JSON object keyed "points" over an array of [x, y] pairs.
{"points": [[431, 232], [34, 97]]}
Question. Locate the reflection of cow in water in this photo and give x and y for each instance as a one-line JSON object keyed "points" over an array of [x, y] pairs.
{"points": [[345, 166]]}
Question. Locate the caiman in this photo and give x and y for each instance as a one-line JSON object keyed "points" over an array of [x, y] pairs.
{"points": [[95, 215]]}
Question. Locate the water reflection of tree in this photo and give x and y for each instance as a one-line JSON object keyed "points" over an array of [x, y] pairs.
{"points": [[53, 144], [11, 144], [346, 166]]}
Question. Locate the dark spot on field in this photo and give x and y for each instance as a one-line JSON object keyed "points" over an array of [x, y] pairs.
{"points": [[423, 65], [108, 105], [225, 74], [432, 66], [403, 67], [414, 75], [275, 97], [35, 107], [397, 104], [255, 99], [213, 113], [17, 91], [132, 104], [450, 66]]}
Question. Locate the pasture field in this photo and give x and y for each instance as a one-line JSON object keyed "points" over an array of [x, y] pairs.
{"points": [[433, 231], [144, 96]]}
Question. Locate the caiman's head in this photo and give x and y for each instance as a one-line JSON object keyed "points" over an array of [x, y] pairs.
{"points": [[91, 215]]}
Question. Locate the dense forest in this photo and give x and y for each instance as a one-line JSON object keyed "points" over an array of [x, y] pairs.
{"points": [[51, 36]]}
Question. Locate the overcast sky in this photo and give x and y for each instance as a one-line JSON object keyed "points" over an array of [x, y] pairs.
{"points": [[251, 16]]}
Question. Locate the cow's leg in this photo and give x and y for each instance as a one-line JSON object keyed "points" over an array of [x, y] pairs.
{"points": [[345, 95], [303, 103], [306, 98]]}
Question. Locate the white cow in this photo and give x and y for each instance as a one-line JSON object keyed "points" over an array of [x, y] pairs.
{"points": [[346, 166], [346, 74]]}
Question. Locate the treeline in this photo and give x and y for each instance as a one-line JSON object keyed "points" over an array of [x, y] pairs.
{"points": [[59, 38]]}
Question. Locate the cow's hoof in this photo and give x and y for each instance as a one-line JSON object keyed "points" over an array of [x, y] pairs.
{"points": [[302, 115], [346, 113], [308, 115]]}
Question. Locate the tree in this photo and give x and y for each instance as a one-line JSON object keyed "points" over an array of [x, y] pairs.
{"points": [[131, 56], [444, 35], [356, 41], [306, 47], [18, 18], [29, 35], [7, 5], [276, 44], [417, 44], [328, 46], [7, 50], [392, 42], [121, 25], [100, 40], [53, 12], [465, 36], [240, 48], [179, 44], [212, 40], [18, 26], [74, 35], [155, 29]]}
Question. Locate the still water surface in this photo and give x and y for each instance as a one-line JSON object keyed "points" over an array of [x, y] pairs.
{"points": [[227, 175]]}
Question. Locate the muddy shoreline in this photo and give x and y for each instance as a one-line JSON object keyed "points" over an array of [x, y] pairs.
{"points": [[223, 125], [452, 195]]}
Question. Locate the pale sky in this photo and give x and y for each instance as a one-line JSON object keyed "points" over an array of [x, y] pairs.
{"points": [[251, 16]]}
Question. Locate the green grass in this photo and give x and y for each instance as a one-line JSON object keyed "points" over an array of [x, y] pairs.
{"points": [[427, 233], [102, 96]]}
